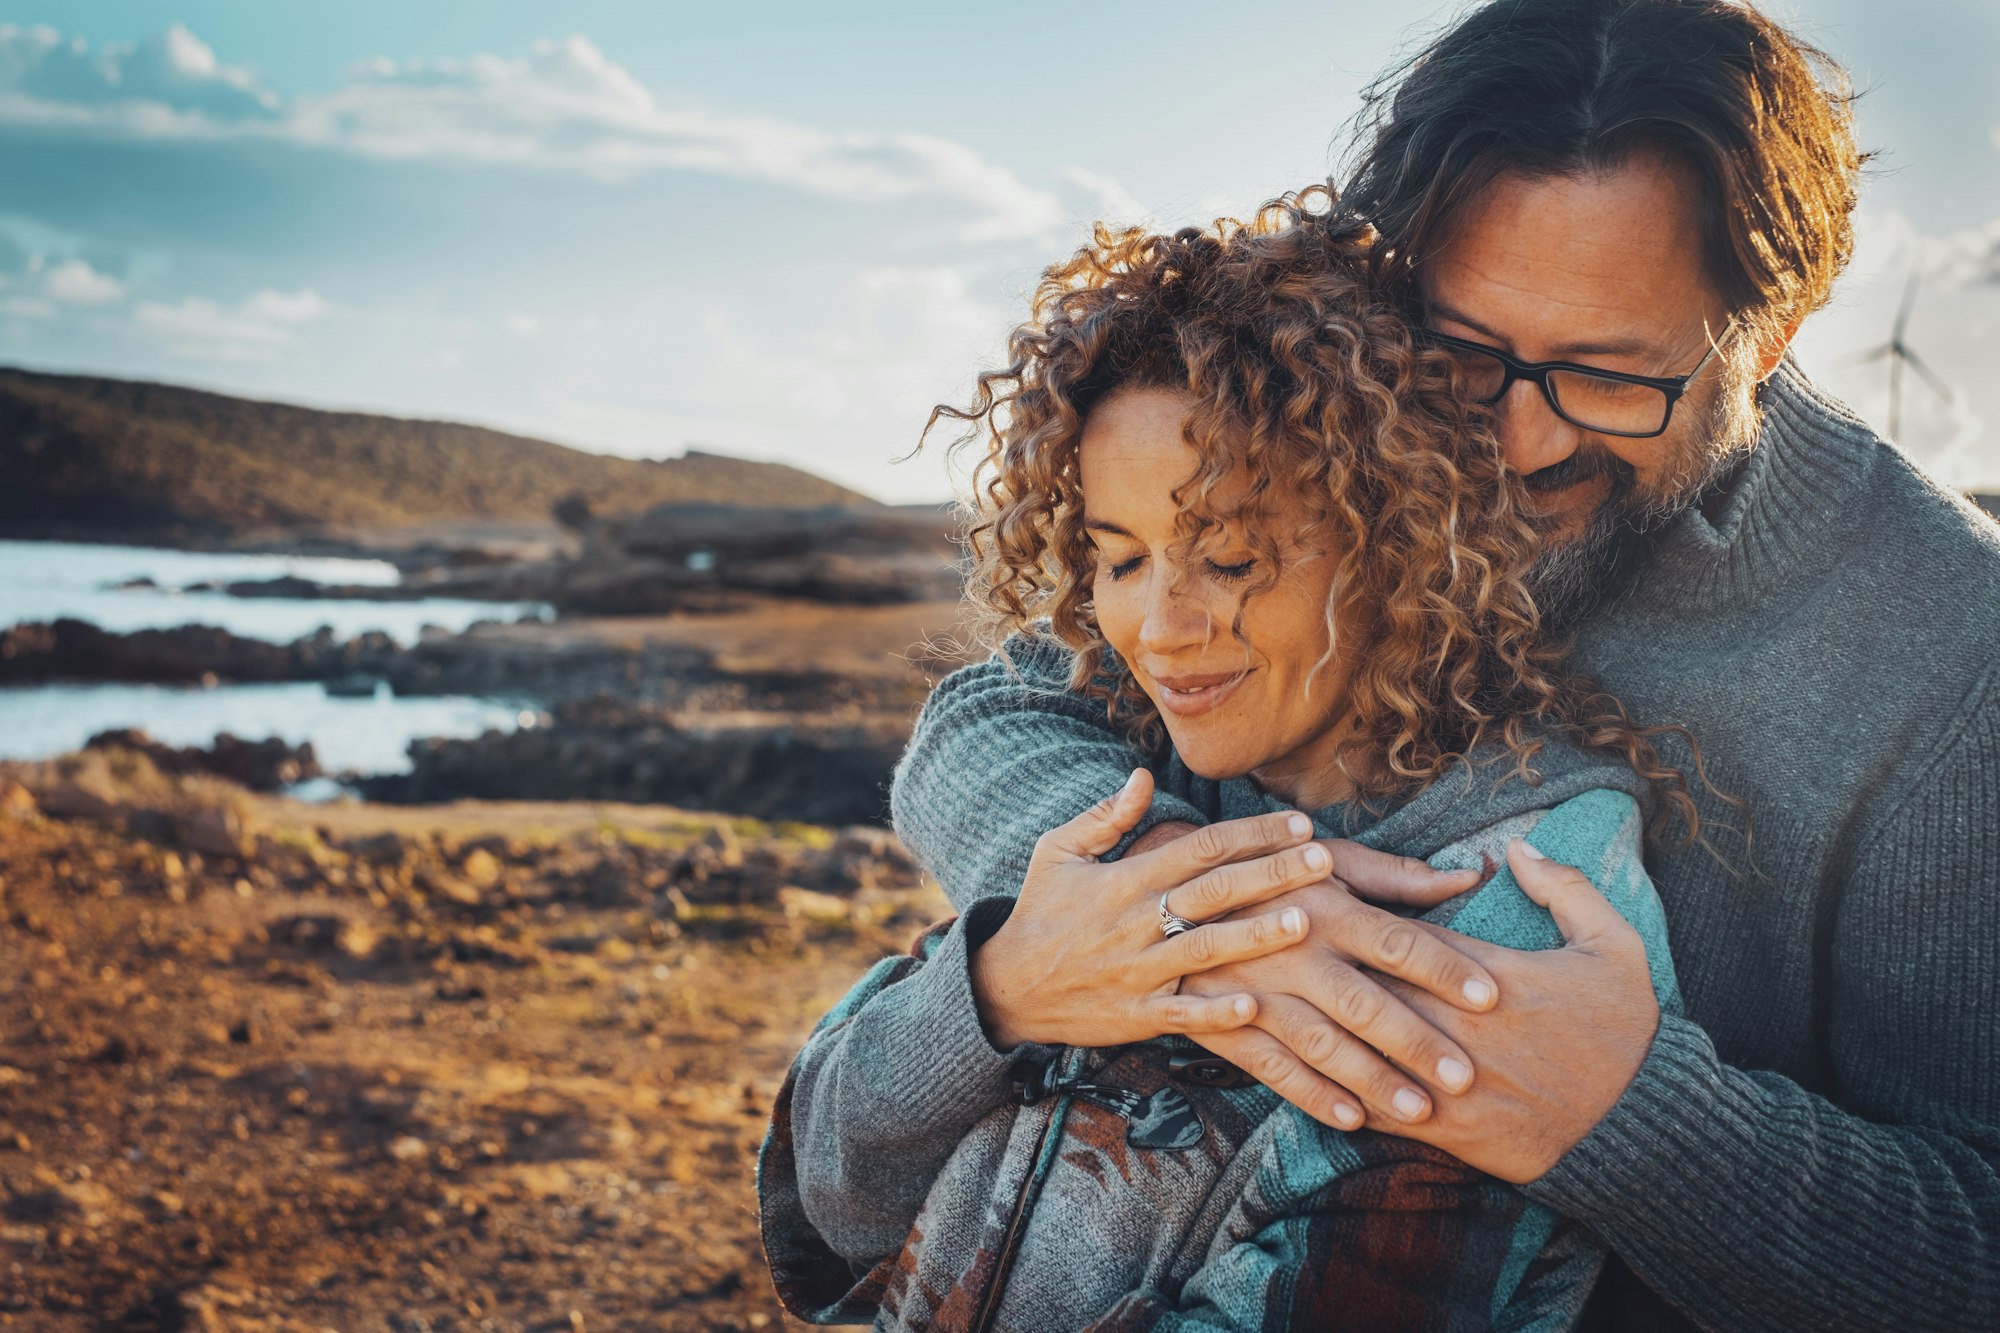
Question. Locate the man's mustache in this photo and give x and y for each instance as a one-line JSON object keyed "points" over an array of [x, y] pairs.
{"points": [[1587, 464]]}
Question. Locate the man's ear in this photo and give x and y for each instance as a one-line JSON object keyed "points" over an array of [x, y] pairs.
{"points": [[1771, 350]]}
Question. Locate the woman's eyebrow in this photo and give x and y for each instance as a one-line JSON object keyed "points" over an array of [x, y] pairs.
{"points": [[1100, 525]]}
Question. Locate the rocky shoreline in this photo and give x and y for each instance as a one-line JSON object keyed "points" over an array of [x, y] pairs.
{"points": [[777, 709]]}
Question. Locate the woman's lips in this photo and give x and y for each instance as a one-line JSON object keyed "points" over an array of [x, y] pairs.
{"points": [[1191, 696]]}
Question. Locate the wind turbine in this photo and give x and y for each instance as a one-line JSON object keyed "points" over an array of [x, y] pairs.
{"points": [[1898, 354]]}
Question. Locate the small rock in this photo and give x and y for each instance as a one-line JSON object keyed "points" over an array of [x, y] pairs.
{"points": [[453, 888], [215, 830], [821, 909], [88, 797], [242, 1032], [17, 801], [356, 939], [118, 1050], [481, 867], [381, 848], [167, 1202], [721, 847], [409, 1148]]}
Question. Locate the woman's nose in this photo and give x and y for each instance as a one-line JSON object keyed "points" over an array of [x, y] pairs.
{"points": [[1532, 436], [1176, 616]]}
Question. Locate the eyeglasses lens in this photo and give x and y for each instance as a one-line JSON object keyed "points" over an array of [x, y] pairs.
{"points": [[1611, 406]]}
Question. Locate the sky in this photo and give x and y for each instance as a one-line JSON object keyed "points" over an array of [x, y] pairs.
{"points": [[781, 230]]}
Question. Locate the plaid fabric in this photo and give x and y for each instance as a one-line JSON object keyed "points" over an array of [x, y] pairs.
{"points": [[1091, 1209]]}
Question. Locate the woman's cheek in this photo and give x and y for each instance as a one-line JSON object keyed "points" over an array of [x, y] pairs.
{"points": [[1117, 616]]}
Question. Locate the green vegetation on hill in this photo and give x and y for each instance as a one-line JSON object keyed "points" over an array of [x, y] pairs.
{"points": [[82, 456]]}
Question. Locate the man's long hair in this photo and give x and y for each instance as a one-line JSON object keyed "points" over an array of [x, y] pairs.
{"points": [[1561, 87]]}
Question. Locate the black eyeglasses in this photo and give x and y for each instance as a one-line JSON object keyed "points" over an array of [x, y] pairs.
{"points": [[1608, 402]]}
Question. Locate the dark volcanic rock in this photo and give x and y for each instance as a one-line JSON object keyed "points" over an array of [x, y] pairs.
{"points": [[292, 587], [186, 655], [781, 767], [265, 765], [701, 557], [189, 655]]}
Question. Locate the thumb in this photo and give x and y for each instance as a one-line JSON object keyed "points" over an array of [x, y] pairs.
{"points": [[1098, 829], [1583, 915]]}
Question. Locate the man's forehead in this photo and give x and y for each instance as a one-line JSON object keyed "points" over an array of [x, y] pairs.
{"points": [[1604, 263]]}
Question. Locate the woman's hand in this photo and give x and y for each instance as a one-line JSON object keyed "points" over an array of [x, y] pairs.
{"points": [[1083, 962]]}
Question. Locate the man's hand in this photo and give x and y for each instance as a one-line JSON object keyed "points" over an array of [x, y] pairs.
{"points": [[1556, 1057], [1327, 1029]]}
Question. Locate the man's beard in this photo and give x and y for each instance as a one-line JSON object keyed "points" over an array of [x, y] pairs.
{"points": [[1576, 578]]}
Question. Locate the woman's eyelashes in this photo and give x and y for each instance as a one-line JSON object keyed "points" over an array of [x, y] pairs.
{"points": [[1227, 571]]}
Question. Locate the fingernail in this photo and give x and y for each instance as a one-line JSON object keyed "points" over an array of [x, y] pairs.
{"points": [[1348, 1116], [1299, 826], [1408, 1104], [1293, 920], [1316, 857], [1453, 1074], [1529, 850], [1242, 1006], [1478, 992], [1131, 783]]}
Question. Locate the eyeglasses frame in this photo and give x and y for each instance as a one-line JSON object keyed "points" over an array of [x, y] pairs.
{"points": [[1537, 373]]}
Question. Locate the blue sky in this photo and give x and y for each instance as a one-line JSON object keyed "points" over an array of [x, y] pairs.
{"points": [[775, 229]]}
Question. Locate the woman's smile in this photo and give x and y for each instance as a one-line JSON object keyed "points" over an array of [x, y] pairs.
{"points": [[1192, 696]]}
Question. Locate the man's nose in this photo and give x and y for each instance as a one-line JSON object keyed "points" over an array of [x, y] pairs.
{"points": [[1532, 436]]}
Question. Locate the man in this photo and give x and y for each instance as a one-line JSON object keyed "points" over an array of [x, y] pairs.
{"points": [[1616, 213]]}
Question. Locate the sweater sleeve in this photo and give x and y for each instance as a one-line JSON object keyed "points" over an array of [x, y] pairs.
{"points": [[1002, 753], [880, 1100], [1748, 1201]]}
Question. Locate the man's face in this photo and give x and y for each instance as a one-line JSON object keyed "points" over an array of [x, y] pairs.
{"points": [[1603, 270]]}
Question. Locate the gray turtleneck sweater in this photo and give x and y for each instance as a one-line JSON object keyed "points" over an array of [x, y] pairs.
{"points": [[1817, 1143]]}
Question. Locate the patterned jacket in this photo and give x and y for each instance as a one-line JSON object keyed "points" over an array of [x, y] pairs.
{"points": [[916, 1177]]}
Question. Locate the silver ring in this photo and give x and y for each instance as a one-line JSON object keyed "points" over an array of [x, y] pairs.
{"points": [[1171, 925]]}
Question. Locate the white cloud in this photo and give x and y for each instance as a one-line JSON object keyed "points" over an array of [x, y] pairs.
{"points": [[255, 329], [565, 107], [75, 282], [173, 69], [522, 326]]}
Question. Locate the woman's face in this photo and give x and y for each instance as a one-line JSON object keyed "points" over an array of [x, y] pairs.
{"points": [[1233, 706]]}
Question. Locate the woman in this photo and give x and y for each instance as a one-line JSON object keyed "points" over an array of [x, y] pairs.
{"points": [[1266, 528]]}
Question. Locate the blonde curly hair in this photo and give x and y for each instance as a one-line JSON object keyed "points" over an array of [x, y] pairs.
{"points": [[1306, 389]]}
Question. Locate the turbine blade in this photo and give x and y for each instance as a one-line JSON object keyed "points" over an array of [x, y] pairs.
{"points": [[1872, 354], [1903, 311], [1924, 372]]}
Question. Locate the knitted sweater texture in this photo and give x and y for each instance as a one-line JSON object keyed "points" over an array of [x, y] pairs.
{"points": [[1817, 1142]]}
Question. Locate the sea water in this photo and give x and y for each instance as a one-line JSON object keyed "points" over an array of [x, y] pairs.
{"points": [[366, 735], [48, 580]]}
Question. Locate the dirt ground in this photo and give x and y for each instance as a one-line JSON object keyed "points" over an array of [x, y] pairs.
{"points": [[474, 1067]]}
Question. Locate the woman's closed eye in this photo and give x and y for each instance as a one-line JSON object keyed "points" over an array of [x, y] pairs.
{"points": [[1238, 569], [1231, 571]]}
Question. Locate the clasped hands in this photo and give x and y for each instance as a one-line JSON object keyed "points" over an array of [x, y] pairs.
{"points": [[1355, 1014]]}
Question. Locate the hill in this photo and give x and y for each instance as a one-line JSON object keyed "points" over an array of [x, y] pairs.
{"points": [[89, 457]]}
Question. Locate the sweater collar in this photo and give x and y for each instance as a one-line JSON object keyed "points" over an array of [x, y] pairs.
{"points": [[1783, 511]]}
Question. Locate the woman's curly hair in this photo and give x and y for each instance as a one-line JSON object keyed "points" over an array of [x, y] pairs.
{"points": [[1304, 388]]}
